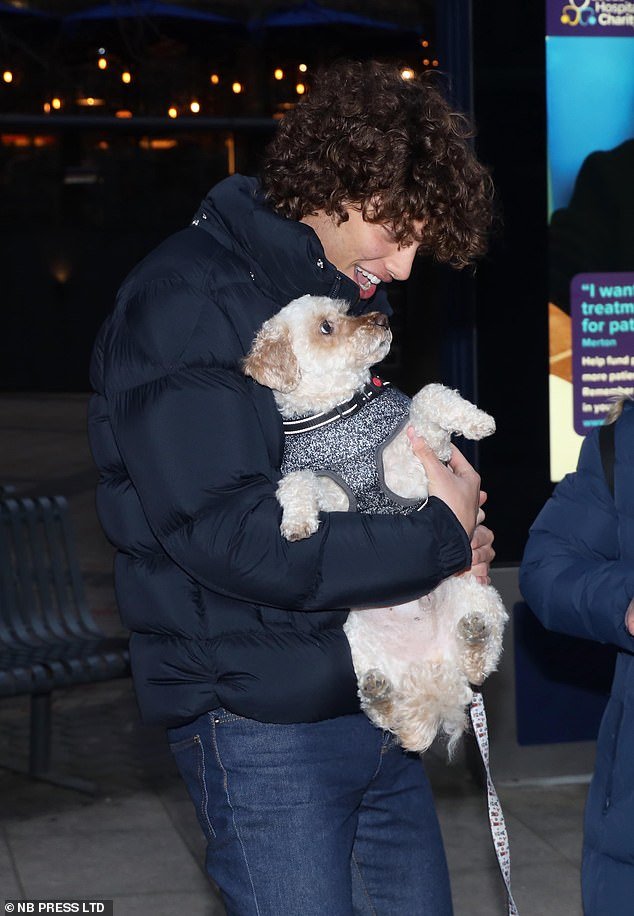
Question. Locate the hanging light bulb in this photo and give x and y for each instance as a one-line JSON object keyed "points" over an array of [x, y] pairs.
{"points": [[237, 88], [56, 103], [126, 77], [172, 112], [278, 74], [300, 89], [47, 107], [407, 73], [302, 68], [102, 63], [7, 76], [214, 79], [194, 107]]}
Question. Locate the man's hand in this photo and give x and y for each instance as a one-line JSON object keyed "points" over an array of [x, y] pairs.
{"points": [[482, 554], [457, 483], [629, 618]]}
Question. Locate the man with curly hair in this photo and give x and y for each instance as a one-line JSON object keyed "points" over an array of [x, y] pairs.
{"points": [[237, 641]]}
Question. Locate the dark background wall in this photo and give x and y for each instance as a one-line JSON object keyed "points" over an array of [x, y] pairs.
{"points": [[485, 332], [75, 218], [510, 109]]}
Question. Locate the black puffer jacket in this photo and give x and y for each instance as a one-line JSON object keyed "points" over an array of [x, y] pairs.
{"points": [[222, 611]]}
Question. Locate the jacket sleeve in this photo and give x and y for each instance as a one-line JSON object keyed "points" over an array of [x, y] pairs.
{"points": [[194, 448], [572, 575]]}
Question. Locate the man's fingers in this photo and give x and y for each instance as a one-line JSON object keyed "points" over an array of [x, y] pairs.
{"points": [[456, 484], [481, 514], [424, 452], [482, 537], [459, 464], [482, 557], [482, 552]]}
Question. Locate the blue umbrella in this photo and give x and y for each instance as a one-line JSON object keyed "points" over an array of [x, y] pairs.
{"points": [[138, 9], [310, 13]]}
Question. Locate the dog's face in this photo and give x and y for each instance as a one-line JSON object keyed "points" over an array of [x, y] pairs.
{"points": [[313, 347]]}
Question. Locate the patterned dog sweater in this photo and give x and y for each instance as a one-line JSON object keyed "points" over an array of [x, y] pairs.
{"points": [[347, 444]]}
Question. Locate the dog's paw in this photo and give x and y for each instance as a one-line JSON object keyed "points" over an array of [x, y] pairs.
{"points": [[474, 633], [375, 686], [478, 425], [438, 412], [295, 530], [473, 629], [297, 494]]}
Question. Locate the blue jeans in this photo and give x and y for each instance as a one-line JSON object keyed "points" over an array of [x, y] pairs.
{"points": [[323, 819]]}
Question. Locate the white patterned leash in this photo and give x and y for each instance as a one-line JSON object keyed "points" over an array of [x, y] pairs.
{"points": [[496, 818]]}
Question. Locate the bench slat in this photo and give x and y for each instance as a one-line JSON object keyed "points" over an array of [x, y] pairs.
{"points": [[48, 636]]}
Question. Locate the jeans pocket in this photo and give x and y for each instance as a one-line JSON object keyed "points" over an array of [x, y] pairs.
{"points": [[222, 716], [189, 755]]}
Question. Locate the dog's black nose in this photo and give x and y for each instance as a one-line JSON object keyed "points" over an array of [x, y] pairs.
{"points": [[381, 319]]}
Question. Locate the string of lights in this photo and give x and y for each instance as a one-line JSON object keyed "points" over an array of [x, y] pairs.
{"points": [[147, 67]]}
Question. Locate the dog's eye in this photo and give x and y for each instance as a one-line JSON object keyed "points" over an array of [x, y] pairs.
{"points": [[325, 327]]}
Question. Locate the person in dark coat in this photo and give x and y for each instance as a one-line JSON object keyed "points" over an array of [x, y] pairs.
{"points": [[594, 232], [237, 641], [577, 576]]}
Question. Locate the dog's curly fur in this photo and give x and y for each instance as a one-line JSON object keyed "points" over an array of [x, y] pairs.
{"points": [[415, 663]]}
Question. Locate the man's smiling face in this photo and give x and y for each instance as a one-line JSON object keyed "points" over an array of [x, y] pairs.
{"points": [[366, 252]]}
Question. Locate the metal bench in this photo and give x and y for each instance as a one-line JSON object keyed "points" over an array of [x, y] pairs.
{"points": [[48, 638]]}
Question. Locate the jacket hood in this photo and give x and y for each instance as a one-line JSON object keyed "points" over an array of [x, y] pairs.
{"points": [[283, 254]]}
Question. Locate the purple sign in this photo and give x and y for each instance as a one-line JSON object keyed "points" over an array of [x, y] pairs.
{"points": [[590, 17], [602, 315]]}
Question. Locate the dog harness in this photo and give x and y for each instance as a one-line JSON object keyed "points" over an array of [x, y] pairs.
{"points": [[347, 443]]}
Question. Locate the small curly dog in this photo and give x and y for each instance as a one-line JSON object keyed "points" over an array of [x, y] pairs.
{"points": [[347, 449]]}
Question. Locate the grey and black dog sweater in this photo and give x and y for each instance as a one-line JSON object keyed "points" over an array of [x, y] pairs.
{"points": [[347, 443]]}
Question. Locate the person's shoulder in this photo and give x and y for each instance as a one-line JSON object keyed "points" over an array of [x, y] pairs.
{"points": [[162, 313], [157, 314], [626, 412], [609, 443], [185, 254], [161, 302], [611, 167], [623, 154], [624, 433]]}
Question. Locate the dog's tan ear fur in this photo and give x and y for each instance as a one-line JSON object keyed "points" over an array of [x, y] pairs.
{"points": [[271, 360]]}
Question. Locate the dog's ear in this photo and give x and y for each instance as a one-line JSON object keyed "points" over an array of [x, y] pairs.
{"points": [[271, 360]]}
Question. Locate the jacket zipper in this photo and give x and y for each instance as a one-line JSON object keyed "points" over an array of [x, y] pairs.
{"points": [[336, 287]]}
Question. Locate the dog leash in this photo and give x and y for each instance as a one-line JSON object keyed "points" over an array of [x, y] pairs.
{"points": [[496, 818]]}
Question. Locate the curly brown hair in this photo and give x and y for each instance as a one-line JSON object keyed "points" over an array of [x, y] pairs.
{"points": [[364, 136]]}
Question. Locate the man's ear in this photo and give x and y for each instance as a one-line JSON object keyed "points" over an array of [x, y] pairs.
{"points": [[271, 360]]}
